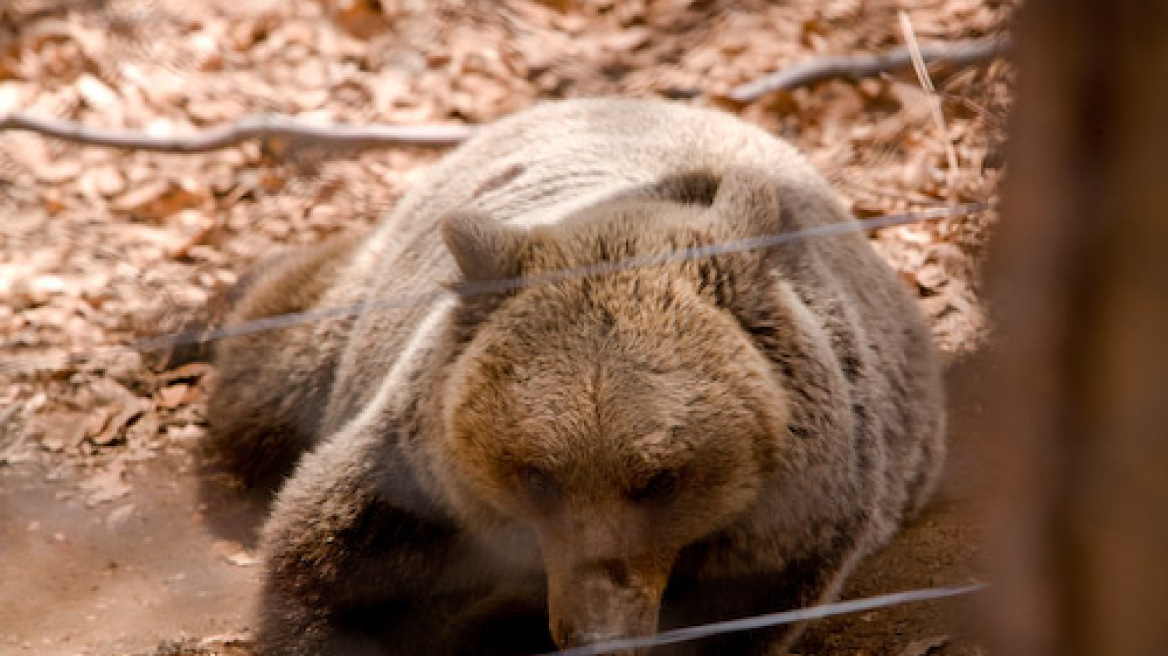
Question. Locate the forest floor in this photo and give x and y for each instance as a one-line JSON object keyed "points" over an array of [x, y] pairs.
{"points": [[110, 543]]}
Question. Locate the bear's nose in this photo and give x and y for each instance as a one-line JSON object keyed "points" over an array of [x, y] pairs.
{"points": [[585, 638], [582, 638]]}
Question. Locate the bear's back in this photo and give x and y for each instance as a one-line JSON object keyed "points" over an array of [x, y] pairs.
{"points": [[541, 165]]}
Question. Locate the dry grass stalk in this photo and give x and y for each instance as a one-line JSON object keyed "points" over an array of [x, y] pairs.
{"points": [[926, 82]]}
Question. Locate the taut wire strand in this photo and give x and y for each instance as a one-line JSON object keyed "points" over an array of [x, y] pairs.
{"points": [[770, 620], [509, 284]]}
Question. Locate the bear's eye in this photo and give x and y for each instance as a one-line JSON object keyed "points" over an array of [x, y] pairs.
{"points": [[540, 485], [662, 485]]}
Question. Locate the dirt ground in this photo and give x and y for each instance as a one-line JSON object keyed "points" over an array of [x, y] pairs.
{"points": [[111, 542]]}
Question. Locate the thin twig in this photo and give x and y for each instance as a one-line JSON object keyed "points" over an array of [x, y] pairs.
{"points": [[918, 62], [962, 53], [247, 128], [995, 121], [958, 53]]}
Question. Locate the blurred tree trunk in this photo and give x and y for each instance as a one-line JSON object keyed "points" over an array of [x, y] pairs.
{"points": [[1081, 273]]}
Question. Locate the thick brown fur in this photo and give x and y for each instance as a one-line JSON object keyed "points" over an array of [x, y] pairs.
{"points": [[609, 455], [272, 386]]}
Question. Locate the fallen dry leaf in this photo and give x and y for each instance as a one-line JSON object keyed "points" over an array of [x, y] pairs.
{"points": [[119, 516], [187, 373], [172, 396], [105, 486], [119, 420], [925, 646]]}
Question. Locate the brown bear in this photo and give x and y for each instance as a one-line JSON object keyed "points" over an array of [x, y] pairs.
{"points": [[592, 456]]}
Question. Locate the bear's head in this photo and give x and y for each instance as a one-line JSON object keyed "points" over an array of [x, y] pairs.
{"points": [[620, 416]]}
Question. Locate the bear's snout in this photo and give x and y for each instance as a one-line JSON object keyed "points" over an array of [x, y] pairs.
{"points": [[594, 601], [582, 638]]}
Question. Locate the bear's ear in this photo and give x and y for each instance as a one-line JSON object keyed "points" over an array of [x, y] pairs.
{"points": [[746, 206], [483, 248], [747, 203]]}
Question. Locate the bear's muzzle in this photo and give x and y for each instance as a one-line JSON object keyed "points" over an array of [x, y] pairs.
{"points": [[593, 600]]}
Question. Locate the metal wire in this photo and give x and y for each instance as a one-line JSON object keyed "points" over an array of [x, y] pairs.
{"points": [[770, 620], [510, 284]]}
